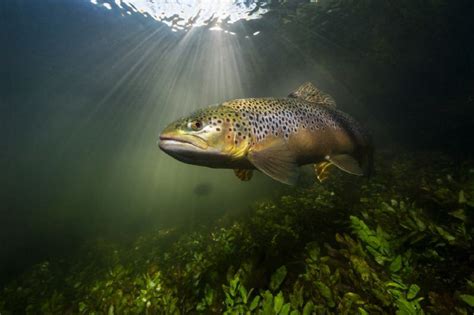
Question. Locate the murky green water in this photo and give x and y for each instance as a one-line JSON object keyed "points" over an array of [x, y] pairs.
{"points": [[96, 219]]}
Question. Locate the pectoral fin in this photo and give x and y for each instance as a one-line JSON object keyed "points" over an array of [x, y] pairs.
{"points": [[346, 163], [273, 158], [243, 175]]}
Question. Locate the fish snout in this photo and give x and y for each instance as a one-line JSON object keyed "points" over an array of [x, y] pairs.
{"points": [[182, 142]]}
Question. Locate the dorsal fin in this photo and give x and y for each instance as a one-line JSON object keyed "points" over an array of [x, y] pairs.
{"points": [[310, 93]]}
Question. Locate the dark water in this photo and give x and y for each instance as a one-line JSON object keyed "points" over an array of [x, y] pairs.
{"points": [[85, 91]]}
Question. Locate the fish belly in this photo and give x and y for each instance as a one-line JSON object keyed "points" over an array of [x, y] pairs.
{"points": [[314, 146]]}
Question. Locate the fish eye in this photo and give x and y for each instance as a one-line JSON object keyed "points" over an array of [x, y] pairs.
{"points": [[195, 125]]}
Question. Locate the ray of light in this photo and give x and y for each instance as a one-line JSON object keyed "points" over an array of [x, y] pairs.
{"points": [[145, 79], [153, 77]]}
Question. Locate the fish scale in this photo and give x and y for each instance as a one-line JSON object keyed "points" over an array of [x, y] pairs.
{"points": [[282, 117]]}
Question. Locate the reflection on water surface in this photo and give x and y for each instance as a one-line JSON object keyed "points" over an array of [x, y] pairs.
{"points": [[186, 14]]}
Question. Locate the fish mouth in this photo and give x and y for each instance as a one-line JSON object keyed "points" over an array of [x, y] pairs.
{"points": [[189, 149], [174, 140], [181, 143], [192, 149]]}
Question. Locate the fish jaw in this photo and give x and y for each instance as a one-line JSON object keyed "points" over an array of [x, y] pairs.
{"points": [[190, 149], [175, 139]]}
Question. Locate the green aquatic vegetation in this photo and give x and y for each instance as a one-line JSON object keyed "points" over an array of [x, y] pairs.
{"points": [[238, 298], [468, 296], [376, 242], [394, 244], [385, 285]]}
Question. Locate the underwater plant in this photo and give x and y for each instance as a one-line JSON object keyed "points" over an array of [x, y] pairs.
{"points": [[400, 245]]}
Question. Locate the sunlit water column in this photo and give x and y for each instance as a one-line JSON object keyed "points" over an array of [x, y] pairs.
{"points": [[201, 65]]}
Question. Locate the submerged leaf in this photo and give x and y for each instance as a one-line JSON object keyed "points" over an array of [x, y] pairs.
{"points": [[82, 306], [408, 307], [277, 278], [445, 234], [396, 264], [285, 310], [397, 285], [278, 302], [308, 308], [469, 299], [243, 294], [326, 293], [413, 291], [361, 267], [459, 214], [267, 307], [254, 303], [461, 197]]}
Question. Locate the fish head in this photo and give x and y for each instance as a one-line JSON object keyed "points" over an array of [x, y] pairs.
{"points": [[205, 138]]}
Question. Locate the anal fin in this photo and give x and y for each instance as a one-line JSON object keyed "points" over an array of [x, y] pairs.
{"points": [[243, 174], [346, 163]]}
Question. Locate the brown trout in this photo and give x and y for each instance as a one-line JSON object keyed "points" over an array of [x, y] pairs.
{"points": [[273, 135]]}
